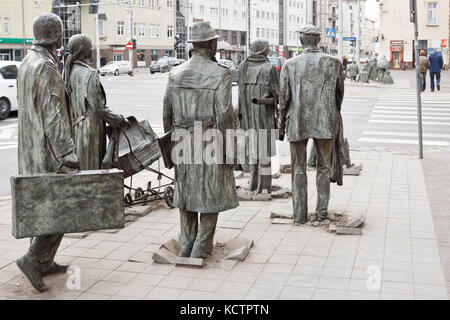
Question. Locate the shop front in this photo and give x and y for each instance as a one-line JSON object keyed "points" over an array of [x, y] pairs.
{"points": [[397, 54]]}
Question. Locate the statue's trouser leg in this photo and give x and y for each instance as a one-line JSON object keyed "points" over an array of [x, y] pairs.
{"points": [[299, 181], [265, 175], [324, 148], [189, 227], [312, 158], [43, 249], [254, 177], [204, 242]]}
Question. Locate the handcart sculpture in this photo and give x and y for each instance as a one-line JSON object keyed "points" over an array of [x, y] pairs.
{"points": [[138, 147]]}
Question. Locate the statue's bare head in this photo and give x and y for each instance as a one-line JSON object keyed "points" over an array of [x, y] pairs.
{"points": [[47, 29], [310, 36], [80, 47]]}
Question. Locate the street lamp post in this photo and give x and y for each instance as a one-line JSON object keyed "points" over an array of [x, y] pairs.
{"points": [[130, 30]]}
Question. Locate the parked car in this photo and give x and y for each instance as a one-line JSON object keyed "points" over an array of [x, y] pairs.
{"points": [[165, 64], [278, 62], [234, 70], [116, 68], [8, 88]]}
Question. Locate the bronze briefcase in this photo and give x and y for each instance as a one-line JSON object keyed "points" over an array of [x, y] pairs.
{"points": [[50, 203]]}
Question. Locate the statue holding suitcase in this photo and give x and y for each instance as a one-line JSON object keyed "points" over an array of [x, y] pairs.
{"points": [[45, 139]]}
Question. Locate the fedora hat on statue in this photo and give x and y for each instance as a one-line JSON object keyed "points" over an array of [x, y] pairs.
{"points": [[202, 32]]}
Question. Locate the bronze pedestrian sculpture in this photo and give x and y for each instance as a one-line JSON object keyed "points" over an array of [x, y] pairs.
{"points": [[258, 79], [312, 90], [199, 93], [88, 110], [45, 139]]}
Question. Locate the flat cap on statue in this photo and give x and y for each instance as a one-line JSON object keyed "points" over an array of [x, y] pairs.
{"points": [[202, 31], [310, 30]]}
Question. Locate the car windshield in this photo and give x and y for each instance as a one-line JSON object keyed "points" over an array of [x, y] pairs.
{"points": [[9, 72], [162, 60], [275, 61], [110, 64]]}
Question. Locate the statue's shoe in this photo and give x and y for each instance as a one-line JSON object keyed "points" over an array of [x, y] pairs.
{"points": [[32, 272], [52, 268], [303, 221], [321, 217]]}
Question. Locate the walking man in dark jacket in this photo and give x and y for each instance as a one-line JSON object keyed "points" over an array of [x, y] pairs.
{"points": [[436, 63]]}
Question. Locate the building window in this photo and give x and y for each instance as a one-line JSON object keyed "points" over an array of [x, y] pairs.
{"points": [[141, 3], [169, 31], [432, 14], [153, 4], [6, 25], [202, 9], [101, 28], [120, 28], [169, 4], [141, 29]]}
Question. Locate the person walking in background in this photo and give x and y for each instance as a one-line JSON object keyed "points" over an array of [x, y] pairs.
{"points": [[424, 64], [344, 63], [436, 63]]}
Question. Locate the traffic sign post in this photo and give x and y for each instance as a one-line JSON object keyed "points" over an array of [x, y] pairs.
{"points": [[413, 18]]}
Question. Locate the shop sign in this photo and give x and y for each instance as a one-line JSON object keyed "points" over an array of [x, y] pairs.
{"points": [[397, 45], [15, 40]]}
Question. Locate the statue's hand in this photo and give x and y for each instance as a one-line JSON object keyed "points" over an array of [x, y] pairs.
{"points": [[71, 160], [126, 124], [281, 134]]}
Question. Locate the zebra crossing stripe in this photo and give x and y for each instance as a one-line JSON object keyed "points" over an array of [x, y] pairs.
{"points": [[429, 123], [411, 112], [391, 116], [407, 134], [404, 141]]}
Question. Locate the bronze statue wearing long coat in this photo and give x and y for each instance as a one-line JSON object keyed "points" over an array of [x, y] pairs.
{"points": [[200, 90], [312, 90], [89, 113], [45, 139], [258, 79]]}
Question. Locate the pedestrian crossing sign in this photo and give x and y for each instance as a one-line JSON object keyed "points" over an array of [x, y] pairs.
{"points": [[331, 32]]}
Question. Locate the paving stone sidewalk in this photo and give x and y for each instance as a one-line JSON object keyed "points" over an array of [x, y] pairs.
{"points": [[399, 246]]}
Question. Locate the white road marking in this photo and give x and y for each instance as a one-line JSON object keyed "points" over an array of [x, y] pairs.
{"points": [[8, 147], [407, 112], [7, 133], [404, 141], [406, 134], [408, 117], [410, 108], [411, 122]]}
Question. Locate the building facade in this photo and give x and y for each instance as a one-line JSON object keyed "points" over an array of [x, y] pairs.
{"points": [[229, 18], [397, 31], [152, 25]]}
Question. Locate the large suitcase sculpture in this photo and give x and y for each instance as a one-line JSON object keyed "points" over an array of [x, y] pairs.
{"points": [[50, 203]]}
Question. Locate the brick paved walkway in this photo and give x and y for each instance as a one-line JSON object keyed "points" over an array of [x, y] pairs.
{"points": [[287, 262]]}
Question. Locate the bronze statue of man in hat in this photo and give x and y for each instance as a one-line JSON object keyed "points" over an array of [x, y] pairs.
{"points": [[312, 90], [259, 82], [199, 94], [45, 139]]}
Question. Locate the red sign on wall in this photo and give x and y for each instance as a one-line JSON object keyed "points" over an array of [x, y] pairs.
{"points": [[444, 43]]}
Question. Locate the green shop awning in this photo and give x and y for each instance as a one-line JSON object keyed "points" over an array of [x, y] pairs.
{"points": [[15, 40]]}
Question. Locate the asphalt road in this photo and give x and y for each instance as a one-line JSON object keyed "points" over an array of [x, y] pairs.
{"points": [[373, 116]]}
